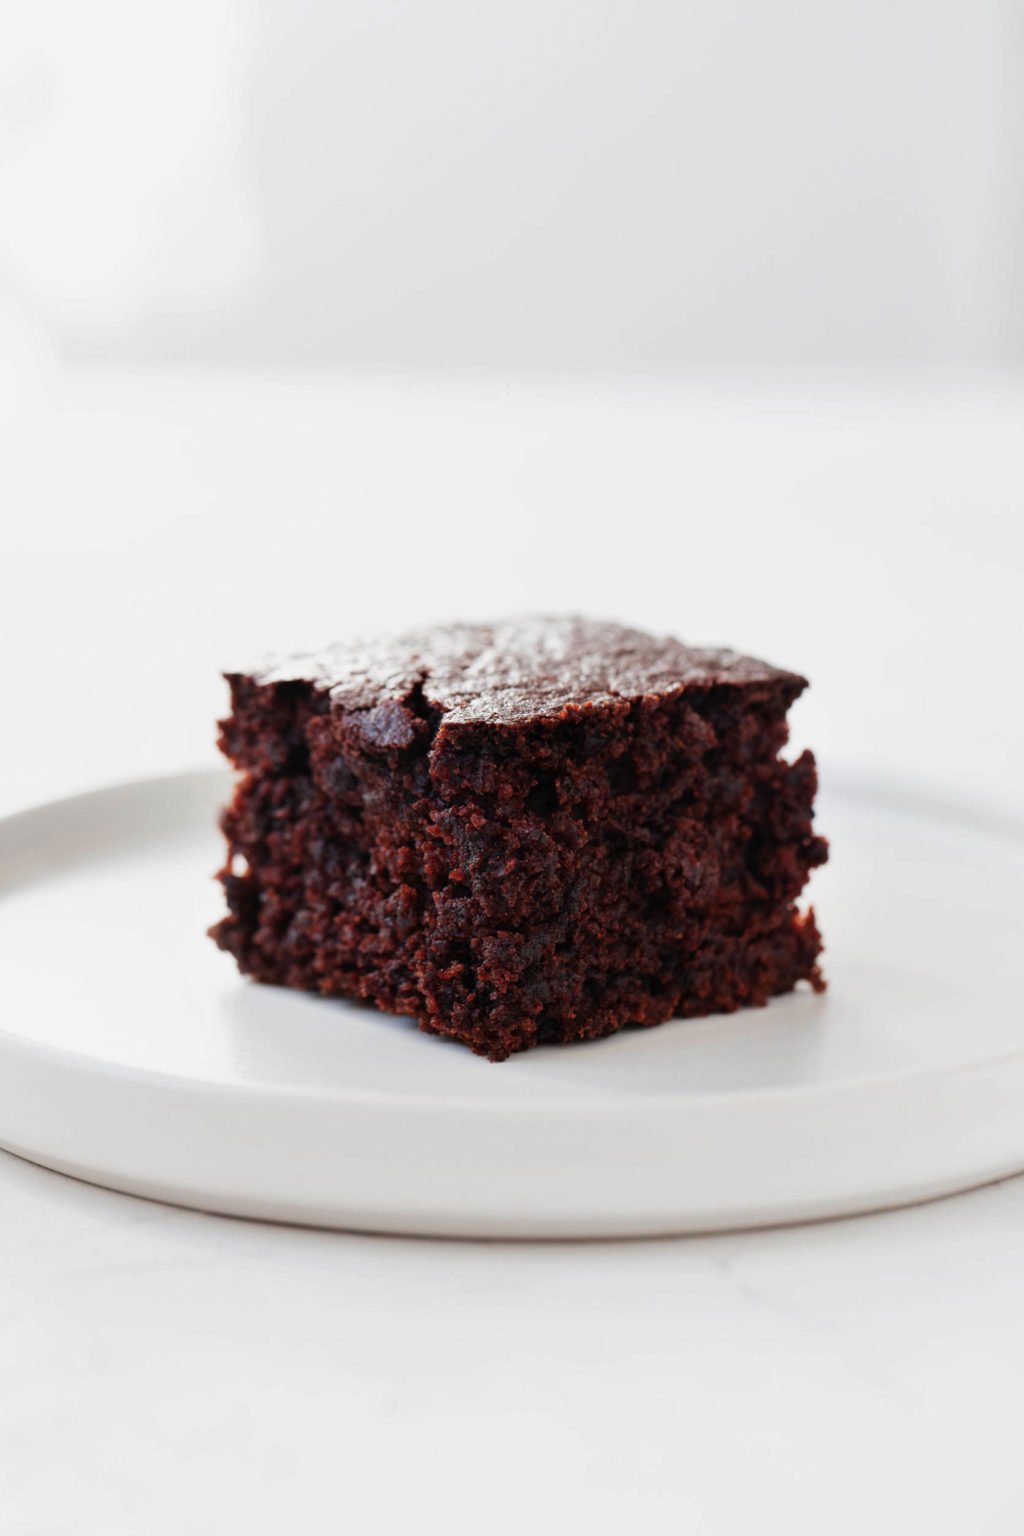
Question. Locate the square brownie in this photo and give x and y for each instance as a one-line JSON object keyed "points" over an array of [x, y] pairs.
{"points": [[519, 833]]}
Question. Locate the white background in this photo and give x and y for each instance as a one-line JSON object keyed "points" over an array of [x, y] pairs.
{"points": [[317, 319], [531, 182], [866, 530]]}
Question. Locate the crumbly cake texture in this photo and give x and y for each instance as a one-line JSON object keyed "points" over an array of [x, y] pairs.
{"points": [[520, 833]]}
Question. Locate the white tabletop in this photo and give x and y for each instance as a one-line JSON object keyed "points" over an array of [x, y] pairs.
{"points": [[169, 1372]]}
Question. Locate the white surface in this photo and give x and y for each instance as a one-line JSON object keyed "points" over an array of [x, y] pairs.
{"points": [[169, 1372], [155, 527], [142, 1063]]}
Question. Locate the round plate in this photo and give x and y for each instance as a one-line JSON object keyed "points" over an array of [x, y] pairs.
{"points": [[133, 1055]]}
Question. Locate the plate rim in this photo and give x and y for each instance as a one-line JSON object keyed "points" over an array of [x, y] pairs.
{"points": [[977, 1100]]}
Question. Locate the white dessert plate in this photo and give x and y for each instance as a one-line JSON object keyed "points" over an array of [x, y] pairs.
{"points": [[133, 1055]]}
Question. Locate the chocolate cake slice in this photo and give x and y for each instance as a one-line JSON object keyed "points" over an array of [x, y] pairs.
{"points": [[519, 833]]}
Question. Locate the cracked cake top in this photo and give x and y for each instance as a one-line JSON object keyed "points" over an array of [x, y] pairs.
{"points": [[516, 670]]}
